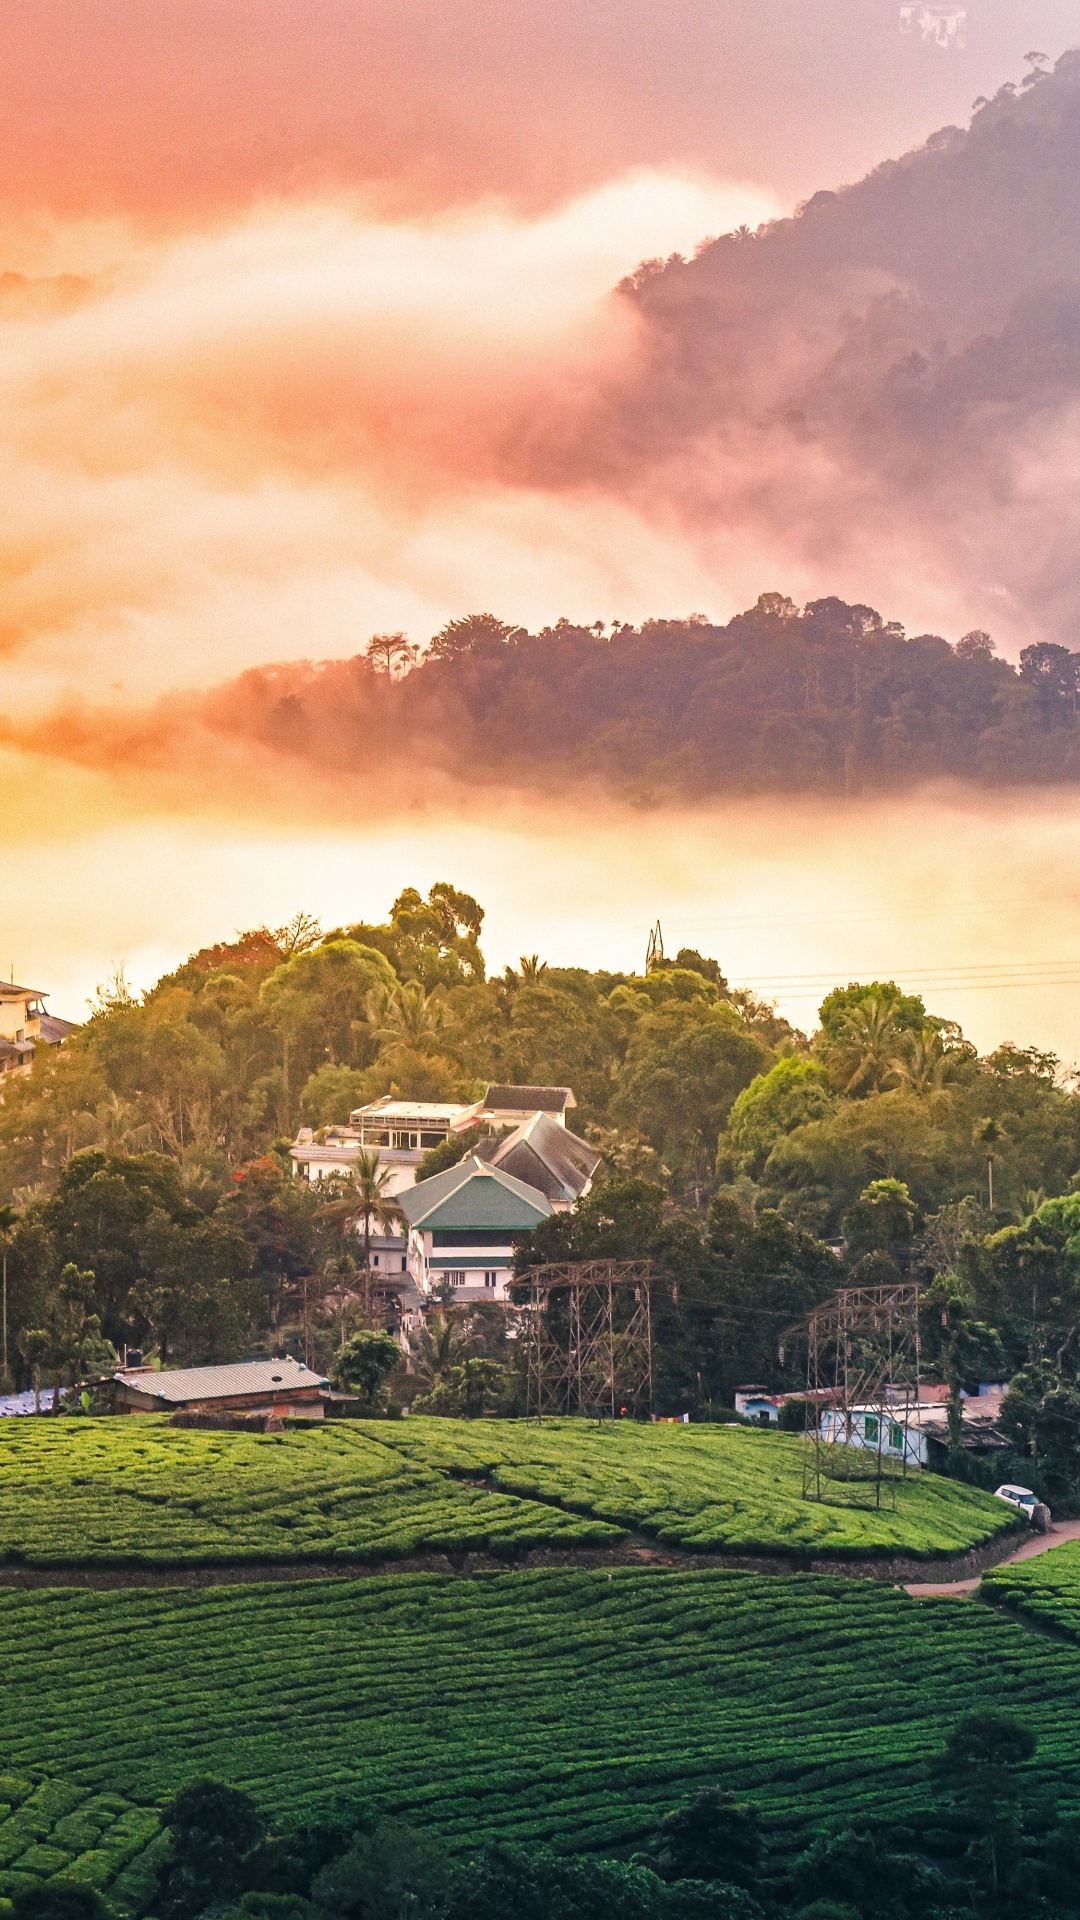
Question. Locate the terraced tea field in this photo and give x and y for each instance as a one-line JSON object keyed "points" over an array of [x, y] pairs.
{"points": [[127, 1492], [1045, 1589], [55, 1830], [565, 1705], [137, 1492], [703, 1489]]}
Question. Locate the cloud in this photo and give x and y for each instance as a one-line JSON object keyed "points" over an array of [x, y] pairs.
{"points": [[270, 439]]}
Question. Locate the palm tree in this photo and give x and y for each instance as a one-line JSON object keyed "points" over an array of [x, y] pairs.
{"points": [[119, 1128], [1034, 1198], [989, 1134], [441, 1347], [533, 969], [369, 1202], [924, 1063], [408, 1017], [866, 1045]]}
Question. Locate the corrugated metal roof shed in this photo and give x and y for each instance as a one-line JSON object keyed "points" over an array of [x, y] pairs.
{"points": [[175, 1385]]}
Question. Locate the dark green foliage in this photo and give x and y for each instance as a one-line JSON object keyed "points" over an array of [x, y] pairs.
{"points": [[981, 1770], [684, 1065], [792, 1093], [541, 1885], [1059, 1875], [391, 1872], [158, 1264], [617, 1220], [275, 1906], [882, 1220], [907, 1009], [365, 1363], [709, 1900], [213, 1831], [711, 1837], [452, 1151], [858, 1868], [58, 1900], [735, 1288]]}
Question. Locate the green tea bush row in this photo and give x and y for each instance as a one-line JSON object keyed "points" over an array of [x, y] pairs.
{"points": [[53, 1829], [566, 1705], [703, 1488], [136, 1492], [1045, 1588]]}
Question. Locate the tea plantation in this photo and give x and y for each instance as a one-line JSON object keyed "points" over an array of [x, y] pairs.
{"points": [[137, 1492], [704, 1488], [1045, 1589], [55, 1830], [564, 1705]]}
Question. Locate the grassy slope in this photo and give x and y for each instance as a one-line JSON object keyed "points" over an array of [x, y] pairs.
{"points": [[566, 1705], [703, 1488], [1046, 1588], [138, 1492]]}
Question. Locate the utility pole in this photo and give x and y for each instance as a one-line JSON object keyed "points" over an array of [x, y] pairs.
{"points": [[7, 1219]]}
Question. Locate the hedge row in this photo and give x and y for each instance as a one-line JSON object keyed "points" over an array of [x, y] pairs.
{"points": [[131, 1492], [1046, 1588]]}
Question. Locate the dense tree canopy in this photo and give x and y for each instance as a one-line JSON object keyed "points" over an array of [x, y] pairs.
{"points": [[829, 697], [153, 1199]]}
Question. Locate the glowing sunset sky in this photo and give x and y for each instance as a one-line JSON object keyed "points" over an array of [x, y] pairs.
{"points": [[290, 292]]}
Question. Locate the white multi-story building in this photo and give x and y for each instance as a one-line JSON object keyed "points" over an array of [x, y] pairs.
{"points": [[399, 1131], [526, 1165]]}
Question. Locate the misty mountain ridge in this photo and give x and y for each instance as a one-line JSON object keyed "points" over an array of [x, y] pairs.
{"points": [[830, 699], [886, 382]]}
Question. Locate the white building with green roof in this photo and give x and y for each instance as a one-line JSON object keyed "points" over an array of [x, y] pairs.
{"points": [[464, 1225]]}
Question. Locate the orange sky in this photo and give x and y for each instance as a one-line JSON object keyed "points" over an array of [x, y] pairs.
{"points": [[291, 292]]}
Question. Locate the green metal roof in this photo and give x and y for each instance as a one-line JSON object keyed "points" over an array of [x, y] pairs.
{"points": [[474, 1195]]}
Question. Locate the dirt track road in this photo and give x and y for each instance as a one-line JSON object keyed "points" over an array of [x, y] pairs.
{"points": [[1039, 1543]]}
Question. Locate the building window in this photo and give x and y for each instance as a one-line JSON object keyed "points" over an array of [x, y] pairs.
{"points": [[456, 1276], [896, 1437], [491, 1278], [374, 1259], [870, 1427], [404, 1264]]}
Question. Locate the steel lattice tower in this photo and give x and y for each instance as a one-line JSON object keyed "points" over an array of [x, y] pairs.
{"points": [[862, 1353], [588, 1332]]}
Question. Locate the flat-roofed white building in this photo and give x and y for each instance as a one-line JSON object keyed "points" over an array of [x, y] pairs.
{"points": [[399, 1131]]}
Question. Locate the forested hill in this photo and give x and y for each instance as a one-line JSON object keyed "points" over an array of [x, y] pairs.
{"points": [[831, 698], [889, 377]]}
